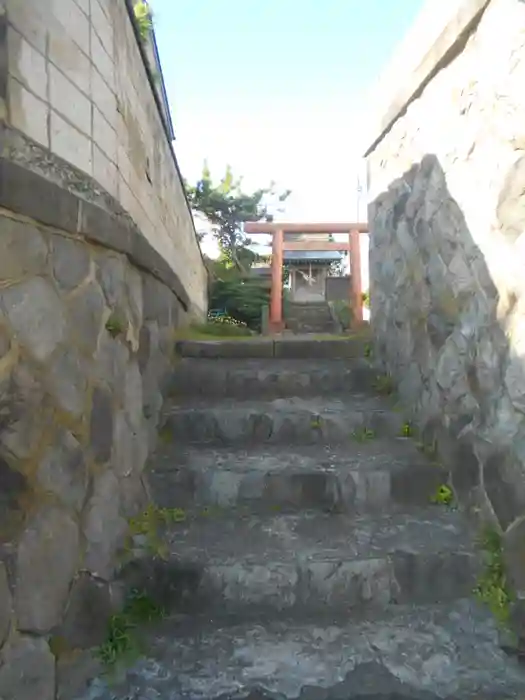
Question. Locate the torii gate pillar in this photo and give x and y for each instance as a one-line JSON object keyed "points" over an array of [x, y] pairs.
{"points": [[276, 299], [356, 291]]}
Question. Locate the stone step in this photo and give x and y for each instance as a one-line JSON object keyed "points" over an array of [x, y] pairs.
{"points": [[312, 317], [299, 347], [311, 327], [307, 312], [270, 378], [287, 421], [412, 653], [307, 305], [313, 561], [369, 477]]}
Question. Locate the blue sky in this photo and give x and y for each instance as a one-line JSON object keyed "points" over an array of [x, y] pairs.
{"points": [[278, 89]]}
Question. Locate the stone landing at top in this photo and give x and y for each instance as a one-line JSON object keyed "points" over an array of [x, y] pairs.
{"points": [[301, 346]]}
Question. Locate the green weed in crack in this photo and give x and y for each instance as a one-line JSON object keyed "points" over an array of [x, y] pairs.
{"points": [[384, 384], [316, 423], [492, 587], [115, 326], [123, 643], [363, 434], [444, 496], [149, 525], [407, 430]]}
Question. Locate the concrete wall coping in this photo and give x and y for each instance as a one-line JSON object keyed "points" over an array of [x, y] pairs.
{"points": [[436, 37], [29, 193]]}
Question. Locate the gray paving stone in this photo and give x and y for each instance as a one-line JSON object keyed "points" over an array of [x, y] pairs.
{"points": [[66, 380], [412, 653], [104, 528], [46, 562], [370, 476], [63, 471], [315, 561], [36, 314], [86, 309], [306, 348], [225, 348], [269, 378], [101, 425], [27, 671], [87, 615], [24, 250], [289, 347], [283, 421], [71, 262]]}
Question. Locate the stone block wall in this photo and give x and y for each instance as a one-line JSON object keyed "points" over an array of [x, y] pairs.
{"points": [[447, 220], [86, 344], [78, 85]]}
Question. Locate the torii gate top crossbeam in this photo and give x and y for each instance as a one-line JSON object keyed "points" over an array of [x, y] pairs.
{"points": [[286, 227]]}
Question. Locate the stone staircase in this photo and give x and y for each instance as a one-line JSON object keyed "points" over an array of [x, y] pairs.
{"points": [[311, 560], [311, 317]]}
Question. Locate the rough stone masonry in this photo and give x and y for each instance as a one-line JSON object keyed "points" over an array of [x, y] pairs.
{"points": [[88, 307], [447, 221], [86, 341]]}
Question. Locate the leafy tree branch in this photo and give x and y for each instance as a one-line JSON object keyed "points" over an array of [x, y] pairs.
{"points": [[226, 206]]}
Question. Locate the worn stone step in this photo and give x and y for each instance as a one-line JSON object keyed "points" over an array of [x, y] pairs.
{"points": [[270, 378], [312, 326], [300, 347], [306, 312], [284, 421], [376, 475], [411, 653], [317, 562], [317, 316]]}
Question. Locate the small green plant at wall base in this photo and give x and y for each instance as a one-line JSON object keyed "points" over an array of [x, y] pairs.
{"points": [[115, 326], [315, 423], [368, 351], [406, 430], [384, 384], [443, 496], [363, 434], [365, 296], [150, 523], [122, 642], [492, 587]]}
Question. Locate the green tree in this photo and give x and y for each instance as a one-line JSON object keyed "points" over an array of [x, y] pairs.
{"points": [[226, 206]]}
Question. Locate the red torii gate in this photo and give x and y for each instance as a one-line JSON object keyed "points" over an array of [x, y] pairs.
{"points": [[279, 245]]}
